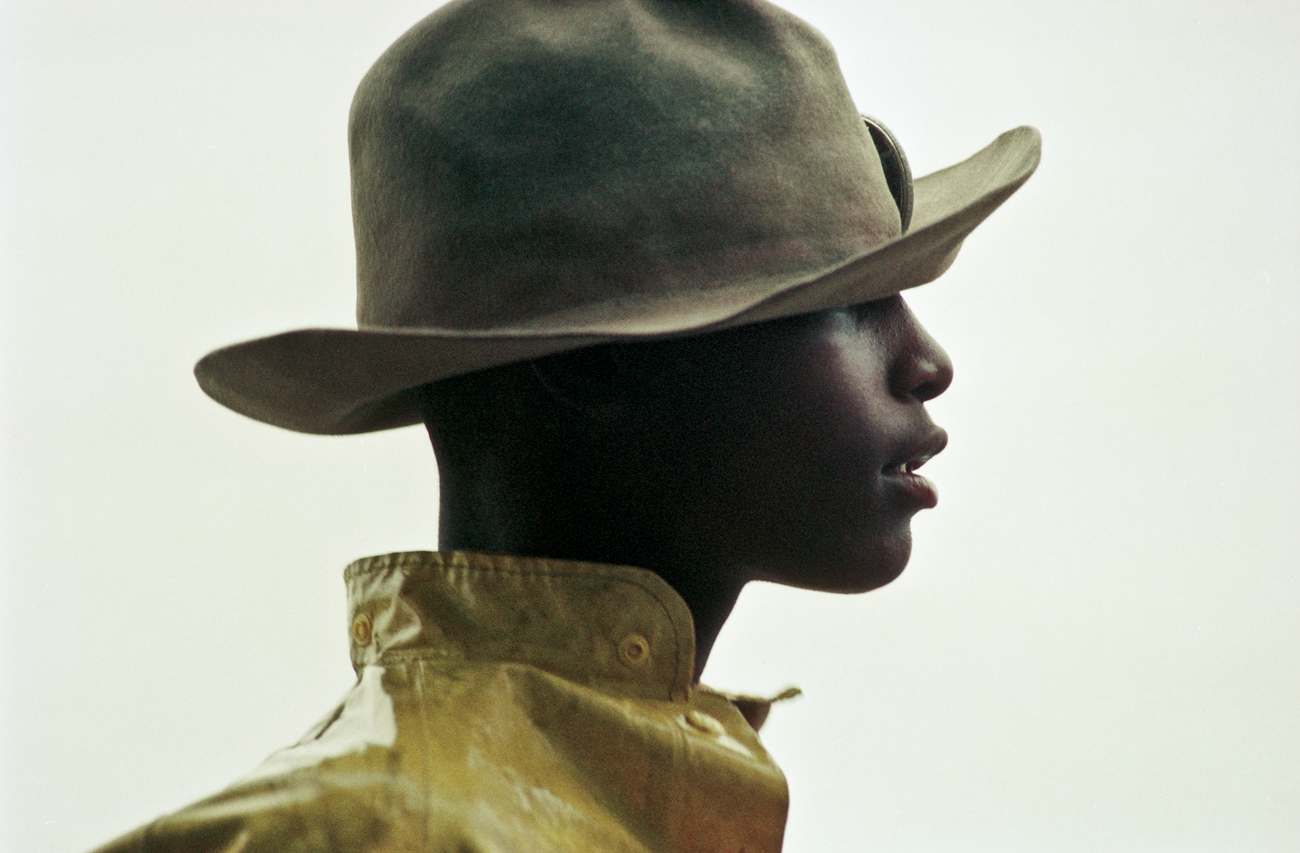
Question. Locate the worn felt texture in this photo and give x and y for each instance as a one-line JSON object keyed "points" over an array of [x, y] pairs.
{"points": [[530, 177]]}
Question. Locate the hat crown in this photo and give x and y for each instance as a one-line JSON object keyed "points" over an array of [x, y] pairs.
{"points": [[515, 161]]}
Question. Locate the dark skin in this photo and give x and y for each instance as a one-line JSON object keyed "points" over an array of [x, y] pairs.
{"points": [[778, 451]]}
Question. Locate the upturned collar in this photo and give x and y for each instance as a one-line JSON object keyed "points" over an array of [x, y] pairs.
{"points": [[618, 629]]}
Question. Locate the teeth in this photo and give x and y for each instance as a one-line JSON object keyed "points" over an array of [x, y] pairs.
{"points": [[905, 467]]}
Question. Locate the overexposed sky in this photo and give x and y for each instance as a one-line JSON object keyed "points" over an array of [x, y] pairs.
{"points": [[1096, 646]]}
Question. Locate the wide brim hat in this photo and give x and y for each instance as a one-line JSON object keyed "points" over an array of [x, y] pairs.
{"points": [[531, 177]]}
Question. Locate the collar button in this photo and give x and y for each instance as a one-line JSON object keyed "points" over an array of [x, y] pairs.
{"points": [[362, 630], [634, 650]]}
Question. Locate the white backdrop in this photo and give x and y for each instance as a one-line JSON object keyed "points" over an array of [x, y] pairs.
{"points": [[1096, 647]]}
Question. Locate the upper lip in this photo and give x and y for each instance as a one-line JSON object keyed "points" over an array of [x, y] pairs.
{"points": [[919, 452]]}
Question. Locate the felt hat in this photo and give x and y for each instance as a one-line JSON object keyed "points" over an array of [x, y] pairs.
{"points": [[532, 176]]}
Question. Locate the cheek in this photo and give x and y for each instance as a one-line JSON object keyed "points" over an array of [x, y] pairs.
{"points": [[813, 417], [806, 481], [784, 460], [843, 420], [825, 516]]}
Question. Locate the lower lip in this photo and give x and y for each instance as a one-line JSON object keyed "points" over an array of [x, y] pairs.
{"points": [[917, 490]]}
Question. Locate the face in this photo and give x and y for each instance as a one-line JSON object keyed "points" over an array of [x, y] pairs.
{"points": [[789, 447]]}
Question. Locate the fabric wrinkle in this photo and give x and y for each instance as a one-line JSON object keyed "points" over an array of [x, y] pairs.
{"points": [[505, 704]]}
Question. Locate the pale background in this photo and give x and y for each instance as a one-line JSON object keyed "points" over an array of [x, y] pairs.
{"points": [[1096, 645]]}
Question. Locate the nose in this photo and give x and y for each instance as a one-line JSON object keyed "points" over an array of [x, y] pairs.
{"points": [[922, 370]]}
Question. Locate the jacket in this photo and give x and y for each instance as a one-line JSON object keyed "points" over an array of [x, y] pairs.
{"points": [[504, 705]]}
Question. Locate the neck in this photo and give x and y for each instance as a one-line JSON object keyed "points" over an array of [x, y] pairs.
{"points": [[548, 514]]}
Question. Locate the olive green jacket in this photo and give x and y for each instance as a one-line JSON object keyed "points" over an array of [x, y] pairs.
{"points": [[506, 705]]}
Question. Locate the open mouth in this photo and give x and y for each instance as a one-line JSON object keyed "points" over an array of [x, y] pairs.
{"points": [[904, 467], [917, 454], [919, 491]]}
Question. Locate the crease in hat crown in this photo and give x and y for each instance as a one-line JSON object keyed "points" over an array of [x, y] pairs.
{"points": [[568, 154], [530, 176]]}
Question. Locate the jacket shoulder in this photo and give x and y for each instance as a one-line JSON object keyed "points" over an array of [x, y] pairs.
{"points": [[305, 812]]}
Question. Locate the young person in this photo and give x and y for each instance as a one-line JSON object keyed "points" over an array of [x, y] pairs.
{"points": [[636, 266]]}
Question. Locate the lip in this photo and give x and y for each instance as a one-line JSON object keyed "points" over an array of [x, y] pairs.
{"points": [[901, 472]]}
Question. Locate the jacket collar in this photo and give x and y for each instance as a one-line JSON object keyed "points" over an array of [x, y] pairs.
{"points": [[618, 629]]}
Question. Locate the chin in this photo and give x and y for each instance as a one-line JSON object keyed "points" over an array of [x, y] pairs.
{"points": [[862, 567], [873, 576]]}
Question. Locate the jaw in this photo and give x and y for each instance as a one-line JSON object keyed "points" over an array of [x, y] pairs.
{"points": [[853, 564]]}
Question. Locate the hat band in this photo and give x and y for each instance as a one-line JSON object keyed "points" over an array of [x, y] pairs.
{"points": [[898, 174]]}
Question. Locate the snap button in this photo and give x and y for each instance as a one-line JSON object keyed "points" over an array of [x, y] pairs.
{"points": [[361, 629], [634, 650], [705, 723]]}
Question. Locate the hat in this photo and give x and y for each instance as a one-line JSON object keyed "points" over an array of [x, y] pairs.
{"points": [[532, 176]]}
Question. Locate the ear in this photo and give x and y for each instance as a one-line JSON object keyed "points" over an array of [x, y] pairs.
{"points": [[595, 382]]}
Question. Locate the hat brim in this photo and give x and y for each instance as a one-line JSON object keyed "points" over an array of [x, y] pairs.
{"points": [[346, 381]]}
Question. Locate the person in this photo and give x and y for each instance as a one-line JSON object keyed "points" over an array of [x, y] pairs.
{"points": [[636, 266]]}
